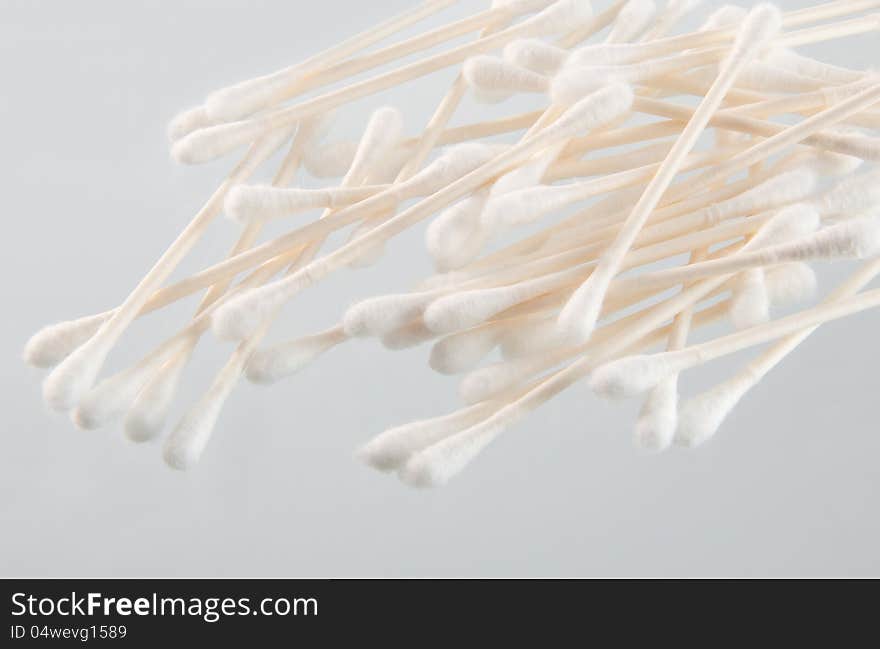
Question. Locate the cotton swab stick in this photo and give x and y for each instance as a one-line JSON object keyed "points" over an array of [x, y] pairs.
{"points": [[577, 319], [703, 415], [213, 142], [246, 97], [631, 375], [499, 14]]}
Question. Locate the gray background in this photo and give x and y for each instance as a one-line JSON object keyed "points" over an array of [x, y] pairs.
{"points": [[789, 487]]}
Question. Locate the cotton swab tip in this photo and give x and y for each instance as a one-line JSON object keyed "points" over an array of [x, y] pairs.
{"points": [[380, 315], [53, 343], [702, 416], [213, 142], [73, 377], [658, 420], [632, 375], [273, 363], [241, 315], [790, 283], [188, 121]]}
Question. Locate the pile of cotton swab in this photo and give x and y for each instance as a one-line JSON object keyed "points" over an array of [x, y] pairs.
{"points": [[658, 192]]}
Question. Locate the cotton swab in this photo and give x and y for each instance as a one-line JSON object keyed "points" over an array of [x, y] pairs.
{"points": [[634, 374], [703, 415], [213, 142]]}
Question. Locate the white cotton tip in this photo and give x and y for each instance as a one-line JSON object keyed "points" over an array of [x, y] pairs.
{"points": [[597, 109], [633, 375], [392, 448], [525, 206], [528, 174], [382, 134], [380, 315], [53, 343], [750, 303], [632, 20], [793, 222], [561, 16], [454, 163], [247, 97], [761, 25], [457, 235], [702, 416], [463, 351], [239, 316], [408, 336], [184, 446], [213, 142], [252, 203], [75, 375], [491, 76], [658, 419], [111, 397], [467, 309], [831, 163], [146, 419], [273, 363], [188, 121], [437, 464], [722, 17], [535, 55], [575, 82], [789, 284], [330, 160], [579, 315], [529, 338], [851, 196], [857, 238]]}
